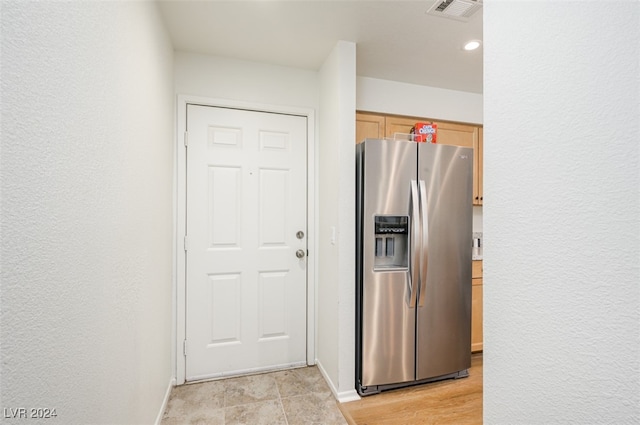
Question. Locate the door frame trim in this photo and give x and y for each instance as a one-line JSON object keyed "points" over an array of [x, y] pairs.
{"points": [[179, 278]]}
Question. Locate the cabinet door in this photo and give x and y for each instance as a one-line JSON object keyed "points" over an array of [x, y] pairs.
{"points": [[402, 125], [369, 126], [476, 305], [478, 194], [476, 315], [457, 134]]}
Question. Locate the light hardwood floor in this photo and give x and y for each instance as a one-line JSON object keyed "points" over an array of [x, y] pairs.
{"points": [[445, 402]]}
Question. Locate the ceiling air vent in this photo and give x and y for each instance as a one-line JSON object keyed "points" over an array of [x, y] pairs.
{"points": [[460, 10]]}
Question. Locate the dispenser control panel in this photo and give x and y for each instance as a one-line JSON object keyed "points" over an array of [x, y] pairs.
{"points": [[391, 242]]}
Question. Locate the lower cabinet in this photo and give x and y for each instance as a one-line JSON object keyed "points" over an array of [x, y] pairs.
{"points": [[476, 306]]}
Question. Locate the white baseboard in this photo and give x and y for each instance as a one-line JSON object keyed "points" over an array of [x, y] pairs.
{"points": [[346, 396], [342, 397], [167, 394]]}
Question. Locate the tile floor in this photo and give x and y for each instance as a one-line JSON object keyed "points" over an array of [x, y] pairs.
{"points": [[289, 397]]}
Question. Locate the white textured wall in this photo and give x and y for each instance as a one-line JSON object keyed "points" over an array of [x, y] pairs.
{"points": [[336, 210], [223, 78], [392, 97], [346, 220], [86, 177], [562, 220]]}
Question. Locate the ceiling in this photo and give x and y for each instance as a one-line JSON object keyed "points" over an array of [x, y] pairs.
{"points": [[395, 40]]}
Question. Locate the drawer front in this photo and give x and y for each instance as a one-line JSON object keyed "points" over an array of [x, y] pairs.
{"points": [[476, 269]]}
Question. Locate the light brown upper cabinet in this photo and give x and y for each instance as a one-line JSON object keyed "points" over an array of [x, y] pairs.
{"points": [[369, 126], [378, 126], [400, 125], [457, 134]]}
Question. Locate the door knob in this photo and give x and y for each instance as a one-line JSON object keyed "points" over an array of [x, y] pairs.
{"points": [[300, 253]]}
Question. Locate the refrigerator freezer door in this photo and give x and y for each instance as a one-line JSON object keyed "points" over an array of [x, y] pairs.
{"points": [[387, 336], [444, 313]]}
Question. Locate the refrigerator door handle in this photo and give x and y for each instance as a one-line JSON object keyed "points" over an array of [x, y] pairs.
{"points": [[416, 247], [424, 257]]}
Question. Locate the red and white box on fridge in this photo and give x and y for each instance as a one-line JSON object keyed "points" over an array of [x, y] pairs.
{"points": [[425, 132]]}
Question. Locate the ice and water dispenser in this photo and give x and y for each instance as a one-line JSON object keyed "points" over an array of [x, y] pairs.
{"points": [[392, 242]]}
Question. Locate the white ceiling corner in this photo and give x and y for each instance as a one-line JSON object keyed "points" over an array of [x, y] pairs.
{"points": [[396, 40]]}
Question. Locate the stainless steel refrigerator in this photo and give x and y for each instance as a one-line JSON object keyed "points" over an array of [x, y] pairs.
{"points": [[413, 265]]}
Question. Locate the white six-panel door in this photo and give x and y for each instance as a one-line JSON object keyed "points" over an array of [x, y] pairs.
{"points": [[246, 289]]}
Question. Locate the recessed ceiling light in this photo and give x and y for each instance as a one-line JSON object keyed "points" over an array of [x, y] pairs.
{"points": [[472, 45]]}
